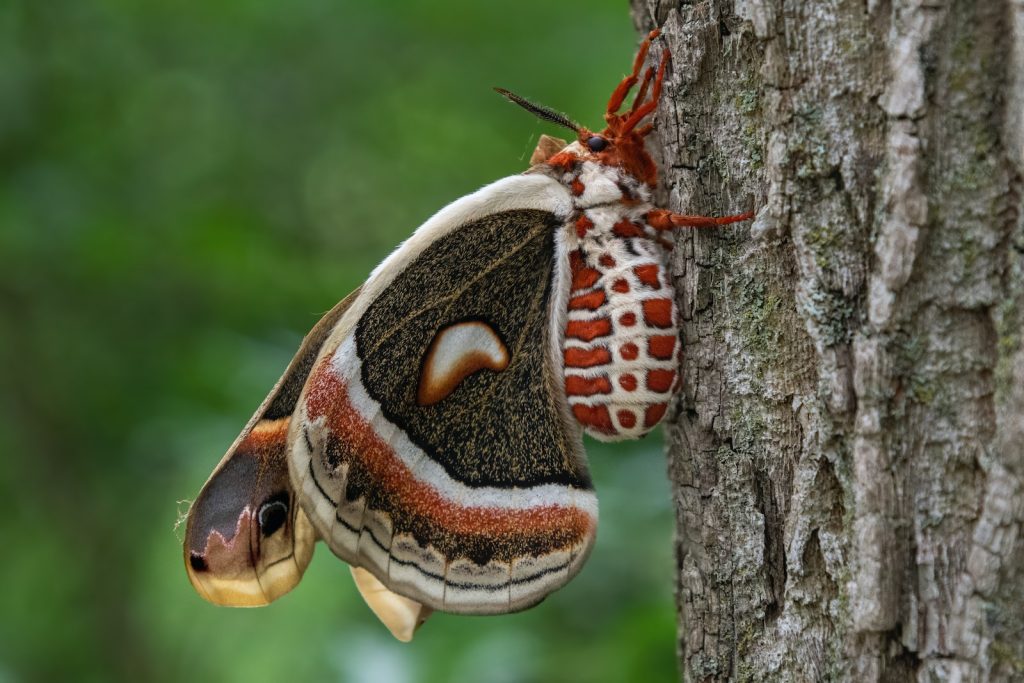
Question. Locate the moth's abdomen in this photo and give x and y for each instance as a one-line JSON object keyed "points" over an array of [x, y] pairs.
{"points": [[621, 339]]}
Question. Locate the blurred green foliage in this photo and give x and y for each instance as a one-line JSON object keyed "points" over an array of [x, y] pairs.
{"points": [[185, 187]]}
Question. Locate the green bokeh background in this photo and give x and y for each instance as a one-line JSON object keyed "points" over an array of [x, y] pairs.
{"points": [[185, 188]]}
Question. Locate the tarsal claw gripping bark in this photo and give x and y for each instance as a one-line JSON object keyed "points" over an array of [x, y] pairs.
{"points": [[429, 430]]}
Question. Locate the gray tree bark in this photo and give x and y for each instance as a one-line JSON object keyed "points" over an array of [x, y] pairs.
{"points": [[848, 452]]}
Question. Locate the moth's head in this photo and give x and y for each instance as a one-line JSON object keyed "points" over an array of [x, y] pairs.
{"points": [[621, 143]]}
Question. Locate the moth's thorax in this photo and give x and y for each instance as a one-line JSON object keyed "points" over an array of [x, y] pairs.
{"points": [[621, 347], [593, 182]]}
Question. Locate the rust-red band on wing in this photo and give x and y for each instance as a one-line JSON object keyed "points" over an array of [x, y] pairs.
{"points": [[363, 448]]}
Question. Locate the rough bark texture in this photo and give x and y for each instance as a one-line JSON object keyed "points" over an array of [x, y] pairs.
{"points": [[848, 453]]}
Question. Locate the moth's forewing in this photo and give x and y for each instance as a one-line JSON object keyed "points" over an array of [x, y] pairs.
{"points": [[247, 540], [433, 445]]}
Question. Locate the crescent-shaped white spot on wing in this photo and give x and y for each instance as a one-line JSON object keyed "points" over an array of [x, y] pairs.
{"points": [[457, 352]]}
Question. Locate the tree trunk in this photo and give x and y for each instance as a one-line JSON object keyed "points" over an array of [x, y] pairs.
{"points": [[848, 453]]}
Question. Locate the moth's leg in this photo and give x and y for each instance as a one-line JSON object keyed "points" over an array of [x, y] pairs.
{"points": [[661, 219], [642, 92], [627, 83], [638, 113]]}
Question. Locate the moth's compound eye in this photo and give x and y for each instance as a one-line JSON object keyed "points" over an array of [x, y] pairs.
{"points": [[273, 515], [596, 143]]}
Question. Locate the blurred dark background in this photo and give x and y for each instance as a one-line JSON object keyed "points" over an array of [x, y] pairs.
{"points": [[185, 188]]}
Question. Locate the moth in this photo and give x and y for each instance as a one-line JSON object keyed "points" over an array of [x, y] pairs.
{"points": [[429, 430]]}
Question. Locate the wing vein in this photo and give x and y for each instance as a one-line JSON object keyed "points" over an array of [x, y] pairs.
{"points": [[454, 295]]}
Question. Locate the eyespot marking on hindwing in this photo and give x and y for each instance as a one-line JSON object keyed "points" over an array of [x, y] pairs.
{"points": [[456, 352]]}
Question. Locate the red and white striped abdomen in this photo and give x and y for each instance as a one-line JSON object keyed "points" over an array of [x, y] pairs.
{"points": [[622, 338]]}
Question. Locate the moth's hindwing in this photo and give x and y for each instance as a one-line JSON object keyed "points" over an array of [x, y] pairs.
{"points": [[247, 540], [432, 444]]}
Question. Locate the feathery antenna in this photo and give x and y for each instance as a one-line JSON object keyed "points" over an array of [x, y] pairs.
{"points": [[541, 111]]}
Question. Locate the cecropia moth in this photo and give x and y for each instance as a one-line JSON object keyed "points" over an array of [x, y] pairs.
{"points": [[429, 429]]}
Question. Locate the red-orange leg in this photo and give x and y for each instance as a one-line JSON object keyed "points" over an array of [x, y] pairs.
{"points": [[644, 130], [660, 219], [645, 109], [627, 83], [642, 92]]}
